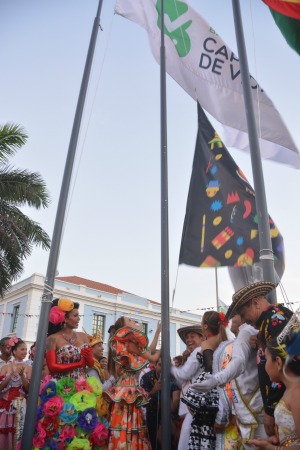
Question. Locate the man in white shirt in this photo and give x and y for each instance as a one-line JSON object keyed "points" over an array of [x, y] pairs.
{"points": [[192, 337], [247, 399]]}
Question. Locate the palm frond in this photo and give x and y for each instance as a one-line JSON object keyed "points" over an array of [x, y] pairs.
{"points": [[12, 137], [23, 187]]}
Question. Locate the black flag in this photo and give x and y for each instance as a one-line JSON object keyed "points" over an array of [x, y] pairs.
{"points": [[220, 227]]}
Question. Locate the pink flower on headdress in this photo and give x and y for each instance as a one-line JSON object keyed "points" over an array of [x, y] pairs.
{"points": [[12, 341], [56, 315]]}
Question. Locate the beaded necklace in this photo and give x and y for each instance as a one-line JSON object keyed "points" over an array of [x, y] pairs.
{"points": [[72, 339]]}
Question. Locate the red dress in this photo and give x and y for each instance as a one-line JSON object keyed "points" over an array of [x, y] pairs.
{"points": [[127, 428], [12, 405]]}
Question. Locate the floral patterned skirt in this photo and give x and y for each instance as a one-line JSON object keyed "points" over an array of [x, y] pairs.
{"points": [[127, 429], [70, 415]]}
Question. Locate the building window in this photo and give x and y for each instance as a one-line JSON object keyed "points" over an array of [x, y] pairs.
{"points": [[98, 324], [15, 317], [144, 328]]}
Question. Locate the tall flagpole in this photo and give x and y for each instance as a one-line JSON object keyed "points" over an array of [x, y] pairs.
{"points": [[217, 289], [266, 252], [36, 376], [165, 312]]}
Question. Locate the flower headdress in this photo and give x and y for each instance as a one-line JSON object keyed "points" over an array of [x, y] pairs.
{"points": [[13, 341], [58, 313]]}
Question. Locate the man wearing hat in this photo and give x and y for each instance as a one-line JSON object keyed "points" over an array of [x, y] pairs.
{"points": [[192, 337], [241, 370], [255, 309]]}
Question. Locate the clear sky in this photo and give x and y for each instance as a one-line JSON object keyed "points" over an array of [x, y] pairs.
{"points": [[112, 231]]}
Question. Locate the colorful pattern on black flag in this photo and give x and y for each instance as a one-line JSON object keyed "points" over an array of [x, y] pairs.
{"points": [[220, 227]]}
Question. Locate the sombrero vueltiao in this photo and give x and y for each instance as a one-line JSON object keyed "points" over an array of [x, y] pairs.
{"points": [[182, 332], [247, 293]]}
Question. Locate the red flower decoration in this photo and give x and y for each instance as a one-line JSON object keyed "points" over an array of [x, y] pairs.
{"points": [[50, 425], [67, 432], [222, 319], [100, 435], [53, 406]]}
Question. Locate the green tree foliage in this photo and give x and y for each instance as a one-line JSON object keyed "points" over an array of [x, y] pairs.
{"points": [[18, 188]]}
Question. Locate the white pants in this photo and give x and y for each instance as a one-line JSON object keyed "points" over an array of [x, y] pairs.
{"points": [[260, 432], [183, 443]]}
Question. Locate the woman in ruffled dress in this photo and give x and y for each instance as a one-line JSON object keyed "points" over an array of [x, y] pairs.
{"points": [[14, 386], [67, 415], [128, 355], [204, 406]]}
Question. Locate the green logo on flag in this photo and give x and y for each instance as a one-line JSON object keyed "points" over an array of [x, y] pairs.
{"points": [[174, 9]]}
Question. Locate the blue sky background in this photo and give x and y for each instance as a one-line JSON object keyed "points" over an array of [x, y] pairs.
{"points": [[112, 231]]}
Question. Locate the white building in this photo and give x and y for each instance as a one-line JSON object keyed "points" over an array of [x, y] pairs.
{"points": [[100, 306]]}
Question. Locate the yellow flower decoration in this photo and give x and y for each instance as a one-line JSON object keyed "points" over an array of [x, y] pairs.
{"points": [[65, 304], [83, 400], [101, 406], [76, 444], [95, 385]]}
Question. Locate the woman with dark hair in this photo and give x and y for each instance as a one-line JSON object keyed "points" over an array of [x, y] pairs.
{"points": [[68, 414], [283, 366], [14, 386], [204, 406], [128, 355]]}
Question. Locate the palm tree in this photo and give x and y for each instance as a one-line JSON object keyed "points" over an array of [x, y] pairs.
{"points": [[18, 188]]}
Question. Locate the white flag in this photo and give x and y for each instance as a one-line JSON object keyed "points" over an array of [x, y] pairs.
{"points": [[205, 67]]}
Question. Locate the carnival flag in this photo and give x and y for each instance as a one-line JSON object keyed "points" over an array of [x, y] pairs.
{"points": [[206, 68], [286, 14], [221, 225]]}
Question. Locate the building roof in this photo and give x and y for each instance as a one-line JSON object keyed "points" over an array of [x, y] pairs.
{"points": [[91, 284], [95, 285]]}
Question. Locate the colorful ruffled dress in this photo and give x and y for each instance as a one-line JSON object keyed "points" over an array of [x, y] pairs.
{"points": [[127, 428], [12, 412], [69, 414]]}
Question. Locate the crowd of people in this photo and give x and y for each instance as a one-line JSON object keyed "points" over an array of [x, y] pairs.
{"points": [[233, 388]]}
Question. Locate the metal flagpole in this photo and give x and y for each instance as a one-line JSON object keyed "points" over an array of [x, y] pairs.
{"points": [[165, 312], [266, 252], [217, 289], [36, 376]]}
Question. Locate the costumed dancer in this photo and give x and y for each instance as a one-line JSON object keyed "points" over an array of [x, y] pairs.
{"points": [[67, 416], [128, 355], [14, 386], [283, 366], [204, 407]]}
